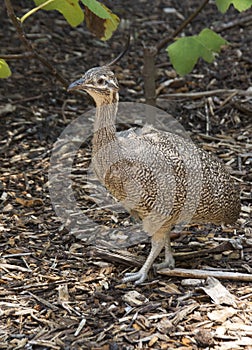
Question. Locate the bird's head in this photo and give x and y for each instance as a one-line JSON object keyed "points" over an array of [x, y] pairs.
{"points": [[100, 83]]}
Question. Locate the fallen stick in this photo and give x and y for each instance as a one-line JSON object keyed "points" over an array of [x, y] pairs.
{"points": [[206, 93], [7, 267], [194, 273]]}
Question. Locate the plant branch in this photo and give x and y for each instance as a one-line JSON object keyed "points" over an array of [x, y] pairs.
{"points": [[27, 44], [188, 20], [149, 73], [150, 53]]}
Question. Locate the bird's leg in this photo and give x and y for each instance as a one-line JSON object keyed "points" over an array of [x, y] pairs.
{"points": [[169, 261], [157, 244]]}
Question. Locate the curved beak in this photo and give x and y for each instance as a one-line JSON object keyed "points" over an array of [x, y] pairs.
{"points": [[76, 85]]}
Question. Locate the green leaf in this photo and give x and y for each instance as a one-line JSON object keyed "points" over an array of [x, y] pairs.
{"points": [[211, 40], [185, 52], [97, 8], [99, 19], [70, 9], [240, 5], [5, 71]]}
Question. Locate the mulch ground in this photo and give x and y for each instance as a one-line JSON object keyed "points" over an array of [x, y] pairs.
{"points": [[56, 290]]}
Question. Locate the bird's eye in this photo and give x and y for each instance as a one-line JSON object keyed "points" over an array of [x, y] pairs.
{"points": [[101, 81]]}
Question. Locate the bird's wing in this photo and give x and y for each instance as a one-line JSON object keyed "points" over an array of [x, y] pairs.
{"points": [[144, 172], [172, 167]]}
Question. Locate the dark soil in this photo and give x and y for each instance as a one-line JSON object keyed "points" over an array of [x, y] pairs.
{"points": [[57, 291]]}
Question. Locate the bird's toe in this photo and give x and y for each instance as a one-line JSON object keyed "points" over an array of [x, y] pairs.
{"points": [[167, 264], [137, 277]]}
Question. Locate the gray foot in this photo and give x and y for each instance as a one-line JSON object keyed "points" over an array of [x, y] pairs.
{"points": [[168, 263], [137, 277]]}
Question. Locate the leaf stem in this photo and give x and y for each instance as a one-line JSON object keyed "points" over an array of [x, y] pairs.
{"points": [[35, 9]]}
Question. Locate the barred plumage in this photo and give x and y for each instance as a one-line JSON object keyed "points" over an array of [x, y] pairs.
{"points": [[160, 177]]}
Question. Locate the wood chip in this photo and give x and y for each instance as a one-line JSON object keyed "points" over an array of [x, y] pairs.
{"points": [[218, 293]]}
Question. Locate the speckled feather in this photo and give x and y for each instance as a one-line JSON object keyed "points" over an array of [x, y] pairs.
{"points": [[162, 178]]}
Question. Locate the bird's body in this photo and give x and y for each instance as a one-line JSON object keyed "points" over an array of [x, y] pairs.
{"points": [[152, 161], [159, 177]]}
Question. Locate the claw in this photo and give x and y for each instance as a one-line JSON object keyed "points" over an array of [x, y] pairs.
{"points": [[157, 243], [137, 277], [168, 263]]}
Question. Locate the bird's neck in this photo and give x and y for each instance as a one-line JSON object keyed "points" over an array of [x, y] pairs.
{"points": [[104, 125]]}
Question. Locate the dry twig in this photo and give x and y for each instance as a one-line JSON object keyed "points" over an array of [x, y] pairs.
{"points": [[195, 273], [28, 46]]}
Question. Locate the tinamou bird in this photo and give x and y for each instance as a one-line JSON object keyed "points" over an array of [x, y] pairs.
{"points": [[159, 177]]}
